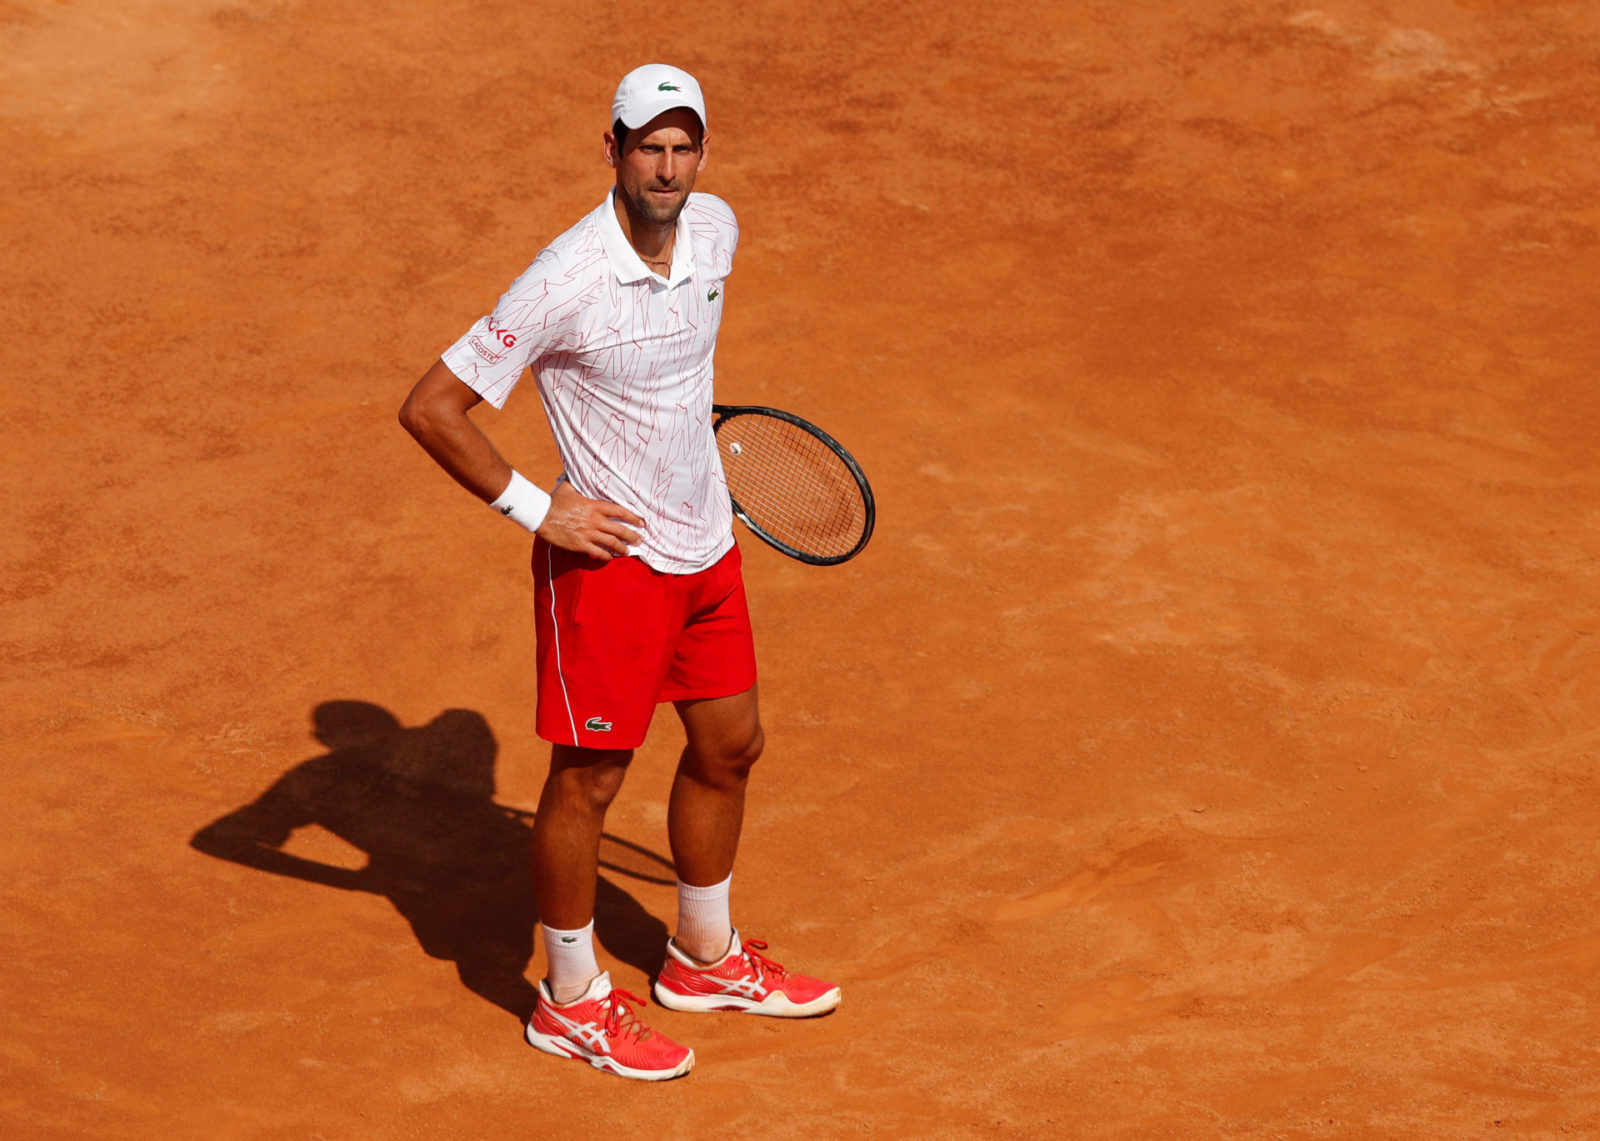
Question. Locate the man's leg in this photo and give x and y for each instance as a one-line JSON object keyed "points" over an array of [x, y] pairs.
{"points": [[578, 1014], [706, 811], [707, 968], [566, 857]]}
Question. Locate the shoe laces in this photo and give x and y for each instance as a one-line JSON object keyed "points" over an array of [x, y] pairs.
{"points": [[620, 1018], [763, 965]]}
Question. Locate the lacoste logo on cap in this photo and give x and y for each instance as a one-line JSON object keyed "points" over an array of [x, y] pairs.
{"points": [[595, 725], [669, 87]]}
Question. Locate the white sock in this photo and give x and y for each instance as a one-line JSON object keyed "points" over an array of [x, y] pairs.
{"points": [[703, 916], [572, 963]]}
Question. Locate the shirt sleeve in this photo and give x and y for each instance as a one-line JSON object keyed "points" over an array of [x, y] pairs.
{"points": [[491, 357]]}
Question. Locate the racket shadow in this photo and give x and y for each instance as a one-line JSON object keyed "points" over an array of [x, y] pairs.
{"points": [[419, 803]]}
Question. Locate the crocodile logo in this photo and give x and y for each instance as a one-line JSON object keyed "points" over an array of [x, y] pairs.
{"points": [[712, 296], [595, 725], [669, 87]]}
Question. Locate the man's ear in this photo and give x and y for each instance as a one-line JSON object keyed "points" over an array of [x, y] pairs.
{"points": [[608, 148]]}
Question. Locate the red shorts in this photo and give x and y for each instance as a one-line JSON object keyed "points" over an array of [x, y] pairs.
{"points": [[617, 638]]}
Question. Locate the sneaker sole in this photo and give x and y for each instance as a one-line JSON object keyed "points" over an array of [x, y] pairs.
{"points": [[563, 1048], [775, 1005]]}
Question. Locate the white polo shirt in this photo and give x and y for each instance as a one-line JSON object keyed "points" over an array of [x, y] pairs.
{"points": [[622, 357]]}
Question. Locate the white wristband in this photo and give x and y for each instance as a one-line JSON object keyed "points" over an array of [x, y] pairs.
{"points": [[526, 504]]}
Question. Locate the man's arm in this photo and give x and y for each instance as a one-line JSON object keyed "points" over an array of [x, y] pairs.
{"points": [[436, 416]]}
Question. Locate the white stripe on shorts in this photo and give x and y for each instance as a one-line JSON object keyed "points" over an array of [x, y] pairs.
{"points": [[550, 573]]}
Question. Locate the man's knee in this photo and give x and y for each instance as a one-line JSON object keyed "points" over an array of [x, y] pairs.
{"points": [[592, 777], [750, 749], [728, 758]]}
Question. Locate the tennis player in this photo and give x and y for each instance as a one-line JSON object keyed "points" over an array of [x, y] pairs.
{"points": [[638, 592]]}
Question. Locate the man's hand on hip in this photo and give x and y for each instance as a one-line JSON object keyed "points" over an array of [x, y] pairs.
{"points": [[590, 527]]}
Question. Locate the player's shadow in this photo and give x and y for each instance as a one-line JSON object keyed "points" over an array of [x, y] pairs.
{"points": [[420, 803]]}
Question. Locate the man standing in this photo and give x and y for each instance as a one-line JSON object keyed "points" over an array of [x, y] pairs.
{"points": [[638, 592]]}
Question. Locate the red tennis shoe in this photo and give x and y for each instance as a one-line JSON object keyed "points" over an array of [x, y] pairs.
{"points": [[602, 1030], [744, 980]]}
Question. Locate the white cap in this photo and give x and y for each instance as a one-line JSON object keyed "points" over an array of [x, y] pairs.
{"points": [[647, 91]]}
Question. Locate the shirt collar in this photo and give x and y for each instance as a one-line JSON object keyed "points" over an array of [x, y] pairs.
{"points": [[625, 260]]}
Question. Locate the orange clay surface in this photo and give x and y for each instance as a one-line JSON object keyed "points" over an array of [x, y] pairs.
{"points": [[1205, 746]]}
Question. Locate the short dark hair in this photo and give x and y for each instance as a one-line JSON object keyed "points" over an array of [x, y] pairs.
{"points": [[619, 131]]}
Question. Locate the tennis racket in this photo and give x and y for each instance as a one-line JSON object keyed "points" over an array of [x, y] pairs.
{"points": [[793, 485]]}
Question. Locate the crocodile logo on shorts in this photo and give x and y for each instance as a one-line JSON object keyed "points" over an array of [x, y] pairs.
{"points": [[712, 296], [669, 87], [595, 725]]}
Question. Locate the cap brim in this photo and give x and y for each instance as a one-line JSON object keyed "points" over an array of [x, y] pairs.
{"points": [[656, 107]]}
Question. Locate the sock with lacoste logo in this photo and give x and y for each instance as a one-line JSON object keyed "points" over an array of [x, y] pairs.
{"points": [[572, 963], [704, 923]]}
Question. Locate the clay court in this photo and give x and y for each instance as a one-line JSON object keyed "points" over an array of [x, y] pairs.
{"points": [[1205, 746]]}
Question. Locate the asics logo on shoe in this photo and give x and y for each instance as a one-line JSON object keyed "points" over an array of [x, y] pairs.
{"points": [[744, 988], [589, 1033], [595, 725]]}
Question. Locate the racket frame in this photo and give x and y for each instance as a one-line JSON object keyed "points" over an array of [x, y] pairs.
{"points": [[722, 413]]}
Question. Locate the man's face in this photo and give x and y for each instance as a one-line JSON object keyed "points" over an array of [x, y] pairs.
{"points": [[656, 169]]}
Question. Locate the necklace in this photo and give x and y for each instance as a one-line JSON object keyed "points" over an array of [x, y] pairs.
{"points": [[666, 261]]}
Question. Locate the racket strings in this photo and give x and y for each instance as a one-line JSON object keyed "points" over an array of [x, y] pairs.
{"points": [[792, 485]]}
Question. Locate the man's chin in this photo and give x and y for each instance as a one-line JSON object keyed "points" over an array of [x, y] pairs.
{"points": [[661, 213]]}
